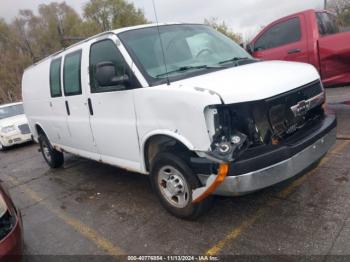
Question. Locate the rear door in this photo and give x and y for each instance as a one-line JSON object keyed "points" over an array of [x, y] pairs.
{"points": [[334, 50], [283, 40], [82, 141]]}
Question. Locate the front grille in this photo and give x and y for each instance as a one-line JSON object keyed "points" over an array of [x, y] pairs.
{"points": [[24, 129], [285, 121], [273, 120]]}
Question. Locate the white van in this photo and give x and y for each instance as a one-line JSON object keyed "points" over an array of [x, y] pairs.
{"points": [[182, 103]]}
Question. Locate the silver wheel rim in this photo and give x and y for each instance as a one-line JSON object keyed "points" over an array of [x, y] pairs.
{"points": [[46, 151], [173, 186]]}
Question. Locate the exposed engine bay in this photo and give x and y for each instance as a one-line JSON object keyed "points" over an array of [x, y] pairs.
{"points": [[239, 127]]}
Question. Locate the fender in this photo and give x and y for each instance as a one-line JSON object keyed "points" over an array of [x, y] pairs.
{"points": [[163, 132]]}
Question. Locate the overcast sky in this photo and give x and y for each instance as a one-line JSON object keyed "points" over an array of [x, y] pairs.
{"points": [[243, 16]]}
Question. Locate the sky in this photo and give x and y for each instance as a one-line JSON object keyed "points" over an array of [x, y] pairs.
{"points": [[243, 16]]}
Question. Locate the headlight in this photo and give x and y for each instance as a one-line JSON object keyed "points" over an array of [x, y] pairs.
{"points": [[7, 218], [227, 141], [8, 129], [3, 206]]}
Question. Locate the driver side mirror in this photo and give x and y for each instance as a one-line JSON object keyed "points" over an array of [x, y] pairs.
{"points": [[106, 75], [250, 48]]}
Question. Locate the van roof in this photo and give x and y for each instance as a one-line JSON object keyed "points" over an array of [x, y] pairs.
{"points": [[10, 104], [116, 31]]}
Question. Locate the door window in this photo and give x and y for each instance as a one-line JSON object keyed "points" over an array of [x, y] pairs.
{"points": [[55, 78], [71, 74], [327, 24], [106, 51], [283, 33]]}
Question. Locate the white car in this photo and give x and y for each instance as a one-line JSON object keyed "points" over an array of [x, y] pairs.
{"points": [[14, 127], [184, 104]]}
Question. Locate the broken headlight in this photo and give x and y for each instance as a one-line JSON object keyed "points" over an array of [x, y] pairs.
{"points": [[227, 141]]}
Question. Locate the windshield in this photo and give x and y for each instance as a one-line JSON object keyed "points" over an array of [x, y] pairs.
{"points": [[10, 111], [187, 48]]}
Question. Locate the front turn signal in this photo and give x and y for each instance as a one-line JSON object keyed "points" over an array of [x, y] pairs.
{"points": [[213, 182]]}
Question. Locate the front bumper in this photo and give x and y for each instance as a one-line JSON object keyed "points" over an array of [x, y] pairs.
{"points": [[242, 184], [15, 139]]}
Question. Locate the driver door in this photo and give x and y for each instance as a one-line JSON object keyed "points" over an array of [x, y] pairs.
{"points": [[112, 112]]}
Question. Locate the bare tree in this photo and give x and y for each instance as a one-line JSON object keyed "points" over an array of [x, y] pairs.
{"points": [[342, 9]]}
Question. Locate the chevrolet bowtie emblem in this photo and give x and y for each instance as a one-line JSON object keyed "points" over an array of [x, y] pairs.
{"points": [[301, 108]]}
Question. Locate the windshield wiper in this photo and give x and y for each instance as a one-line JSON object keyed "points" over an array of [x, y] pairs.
{"points": [[234, 59], [186, 68]]}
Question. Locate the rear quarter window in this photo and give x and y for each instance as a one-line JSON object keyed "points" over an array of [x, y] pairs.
{"points": [[327, 24], [55, 78]]}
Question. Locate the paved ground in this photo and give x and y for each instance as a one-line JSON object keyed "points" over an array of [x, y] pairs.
{"points": [[90, 208]]}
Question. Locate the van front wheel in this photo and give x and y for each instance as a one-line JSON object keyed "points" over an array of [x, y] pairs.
{"points": [[52, 157], [173, 182]]}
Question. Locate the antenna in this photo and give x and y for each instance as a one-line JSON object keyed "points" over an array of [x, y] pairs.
{"points": [[161, 44]]}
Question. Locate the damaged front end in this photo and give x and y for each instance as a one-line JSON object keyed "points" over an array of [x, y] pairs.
{"points": [[253, 128], [237, 128]]}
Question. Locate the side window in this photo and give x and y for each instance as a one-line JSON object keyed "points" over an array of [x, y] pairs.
{"points": [[105, 51], [55, 78], [327, 24], [71, 74], [283, 33]]}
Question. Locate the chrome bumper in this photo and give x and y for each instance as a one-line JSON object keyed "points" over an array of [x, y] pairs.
{"points": [[259, 179]]}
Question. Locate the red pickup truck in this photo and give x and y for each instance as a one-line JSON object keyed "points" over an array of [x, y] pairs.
{"points": [[312, 37]]}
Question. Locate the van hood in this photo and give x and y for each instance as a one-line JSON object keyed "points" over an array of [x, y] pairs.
{"points": [[254, 81], [15, 120]]}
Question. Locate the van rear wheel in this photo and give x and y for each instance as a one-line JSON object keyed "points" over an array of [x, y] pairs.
{"points": [[52, 157], [173, 182]]}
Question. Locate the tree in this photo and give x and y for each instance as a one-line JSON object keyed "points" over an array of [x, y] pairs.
{"points": [[31, 37], [342, 10], [104, 15], [13, 60], [224, 29]]}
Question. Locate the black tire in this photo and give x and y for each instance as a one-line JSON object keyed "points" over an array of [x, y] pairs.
{"points": [[2, 147], [161, 163], [52, 157]]}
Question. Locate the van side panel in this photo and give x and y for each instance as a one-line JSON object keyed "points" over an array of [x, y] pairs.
{"points": [[36, 94]]}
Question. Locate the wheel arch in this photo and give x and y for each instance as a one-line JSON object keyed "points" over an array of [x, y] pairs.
{"points": [[38, 129], [158, 141]]}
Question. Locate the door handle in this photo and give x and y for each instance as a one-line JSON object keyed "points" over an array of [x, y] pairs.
{"points": [[67, 108], [90, 107], [294, 51]]}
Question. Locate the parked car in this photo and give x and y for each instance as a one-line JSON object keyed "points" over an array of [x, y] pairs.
{"points": [[312, 37], [211, 120], [11, 239], [14, 127]]}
